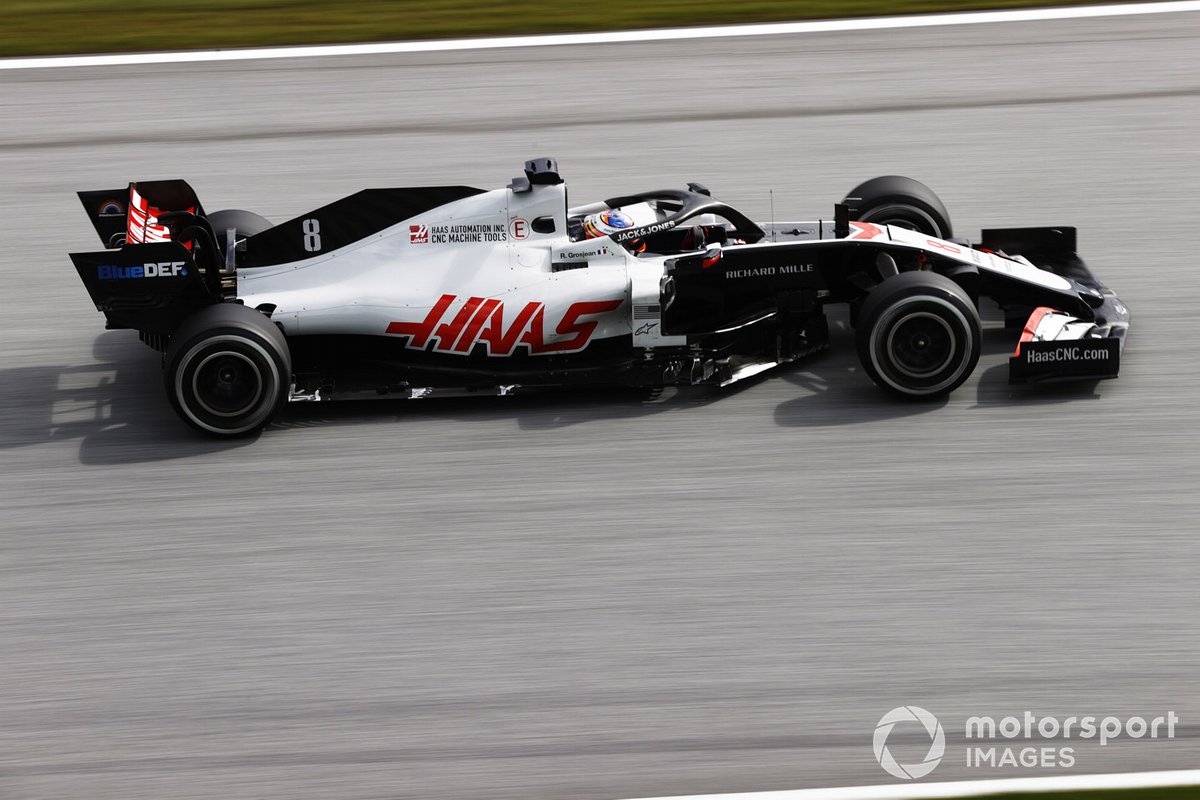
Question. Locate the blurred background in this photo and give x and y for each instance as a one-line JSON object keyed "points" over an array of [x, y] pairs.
{"points": [[33, 27], [587, 594]]}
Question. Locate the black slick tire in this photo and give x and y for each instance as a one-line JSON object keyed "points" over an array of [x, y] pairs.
{"points": [[227, 370], [918, 335], [904, 202]]}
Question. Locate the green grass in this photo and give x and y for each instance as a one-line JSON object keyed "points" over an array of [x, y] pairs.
{"points": [[29, 27], [1173, 793]]}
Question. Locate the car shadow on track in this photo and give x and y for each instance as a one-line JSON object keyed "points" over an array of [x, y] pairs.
{"points": [[838, 392], [545, 409], [115, 407], [842, 395], [994, 389]]}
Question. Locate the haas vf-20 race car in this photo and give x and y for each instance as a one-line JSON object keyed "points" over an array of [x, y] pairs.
{"points": [[424, 291]]}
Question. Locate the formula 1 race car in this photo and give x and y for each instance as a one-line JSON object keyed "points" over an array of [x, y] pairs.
{"points": [[448, 290]]}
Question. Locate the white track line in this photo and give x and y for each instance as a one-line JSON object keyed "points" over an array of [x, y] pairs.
{"points": [[909, 791], [659, 35]]}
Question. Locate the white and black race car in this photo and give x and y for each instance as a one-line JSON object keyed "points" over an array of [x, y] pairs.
{"points": [[450, 289]]}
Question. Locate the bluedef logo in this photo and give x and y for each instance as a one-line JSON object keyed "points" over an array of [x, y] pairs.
{"points": [[161, 269]]}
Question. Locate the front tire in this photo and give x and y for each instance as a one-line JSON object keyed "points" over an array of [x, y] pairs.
{"points": [[228, 370], [903, 202], [918, 335]]}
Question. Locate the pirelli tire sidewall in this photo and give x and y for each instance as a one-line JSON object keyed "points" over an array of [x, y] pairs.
{"points": [[228, 370], [918, 335]]}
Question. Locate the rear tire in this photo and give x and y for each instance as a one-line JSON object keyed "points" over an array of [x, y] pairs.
{"points": [[900, 201], [918, 335], [228, 370], [245, 223]]}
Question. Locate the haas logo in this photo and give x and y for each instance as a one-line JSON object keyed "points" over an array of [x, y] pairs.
{"points": [[483, 320]]}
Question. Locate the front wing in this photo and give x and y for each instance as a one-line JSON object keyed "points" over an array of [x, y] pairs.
{"points": [[1058, 347], [1056, 344]]}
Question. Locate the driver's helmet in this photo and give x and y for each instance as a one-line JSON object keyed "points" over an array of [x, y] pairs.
{"points": [[606, 223]]}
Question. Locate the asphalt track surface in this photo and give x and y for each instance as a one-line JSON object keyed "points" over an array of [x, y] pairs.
{"points": [[587, 595]]}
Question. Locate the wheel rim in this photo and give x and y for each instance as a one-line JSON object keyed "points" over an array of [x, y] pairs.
{"points": [[916, 377], [921, 344], [227, 384]]}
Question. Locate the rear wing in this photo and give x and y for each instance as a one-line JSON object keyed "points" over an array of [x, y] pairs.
{"points": [[152, 276], [149, 287], [131, 212]]}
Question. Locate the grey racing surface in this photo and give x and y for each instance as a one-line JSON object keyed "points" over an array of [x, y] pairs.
{"points": [[592, 594]]}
